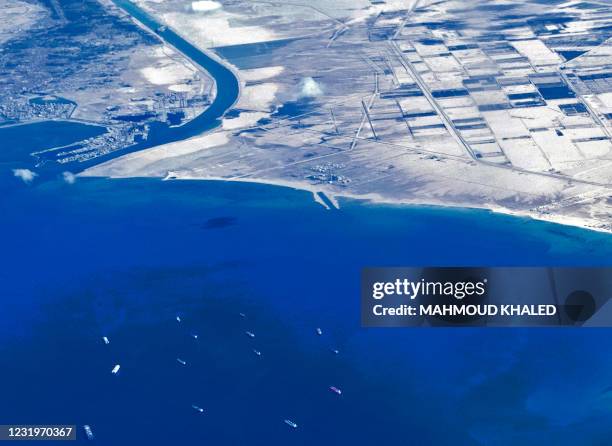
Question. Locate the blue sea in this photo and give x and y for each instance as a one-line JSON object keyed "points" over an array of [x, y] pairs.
{"points": [[124, 258]]}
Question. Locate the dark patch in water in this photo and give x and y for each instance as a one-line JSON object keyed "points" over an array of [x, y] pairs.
{"points": [[219, 222]]}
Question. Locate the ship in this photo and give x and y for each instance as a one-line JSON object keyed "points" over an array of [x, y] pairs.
{"points": [[105, 339], [197, 408], [115, 369], [257, 352], [335, 390], [319, 331], [291, 423], [181, 362], [250, 334], [88, 432]]}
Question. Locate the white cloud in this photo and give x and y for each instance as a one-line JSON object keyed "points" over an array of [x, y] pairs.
{"points": [[309, 88], [205, 5], [25, 174], [69, 177]]}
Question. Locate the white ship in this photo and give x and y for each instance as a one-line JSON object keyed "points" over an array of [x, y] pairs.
{"points": [[335, 390], [88, 432], [115, 369], [291, 423]]}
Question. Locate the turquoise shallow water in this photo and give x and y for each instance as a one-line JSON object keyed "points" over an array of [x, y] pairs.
{"points": [[123, 258]]}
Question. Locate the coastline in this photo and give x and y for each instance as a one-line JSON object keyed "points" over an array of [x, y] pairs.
{"points": [[374, 198], [377, 199]]}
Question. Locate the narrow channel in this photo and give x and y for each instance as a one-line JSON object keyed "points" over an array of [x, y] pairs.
{"points": [[228, 89]]}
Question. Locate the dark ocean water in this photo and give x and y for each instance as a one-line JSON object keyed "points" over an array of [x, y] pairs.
{"points": [[123, 258]]}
